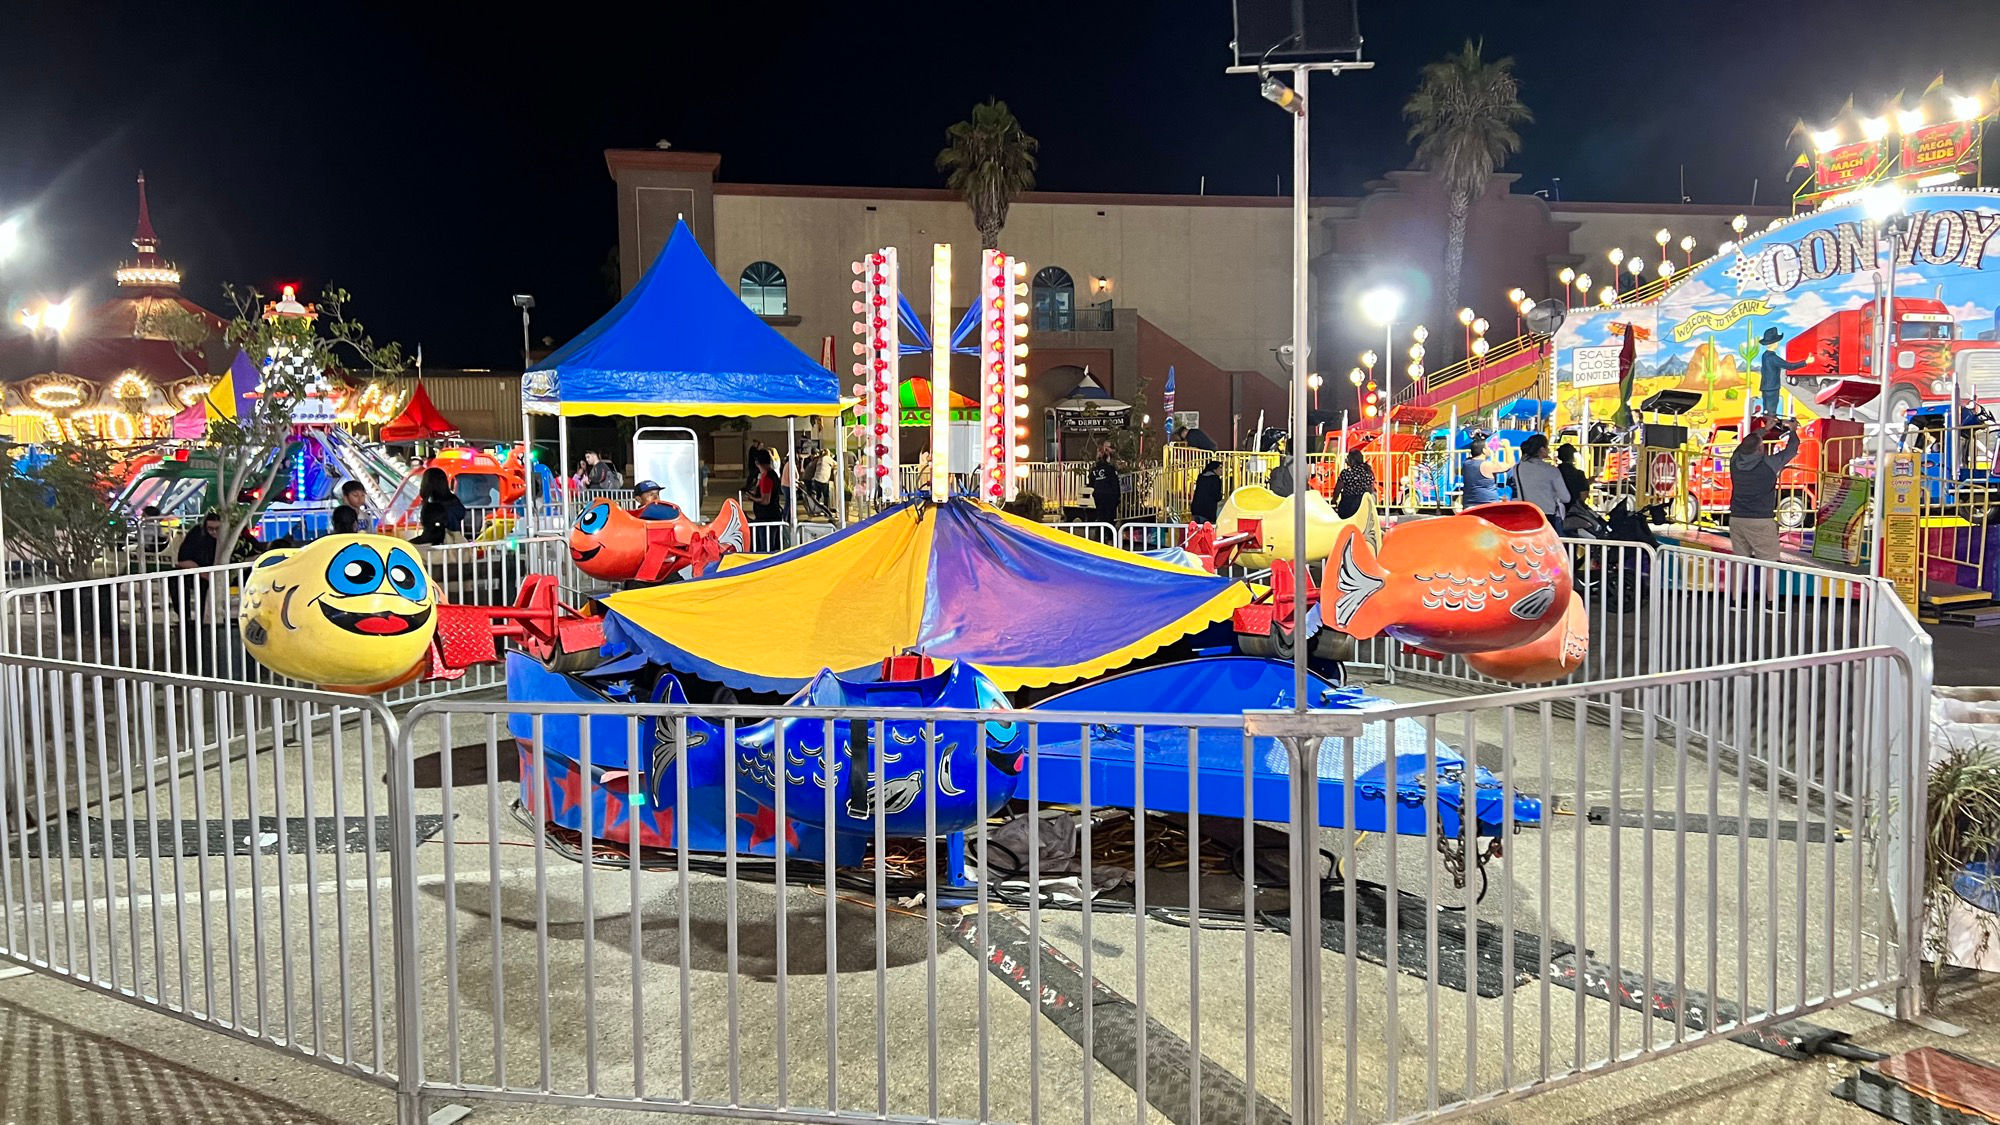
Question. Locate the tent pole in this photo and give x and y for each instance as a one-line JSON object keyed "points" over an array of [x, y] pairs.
{"points": [[840, 469], [792, 477], [562, 452]]}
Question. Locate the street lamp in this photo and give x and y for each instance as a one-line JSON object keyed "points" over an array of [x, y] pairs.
{"points": [[1661, 238], [1637, 268], [1568, 278], [1607, 296], [1739, 224], [1615, 255], [1884, 207], [1313, 381], [1666, 270], [524, 302], [1382, 305], [1687, 250]]}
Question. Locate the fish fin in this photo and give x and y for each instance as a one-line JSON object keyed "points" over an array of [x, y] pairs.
{"points": [[728, 526], [1357, 611]]}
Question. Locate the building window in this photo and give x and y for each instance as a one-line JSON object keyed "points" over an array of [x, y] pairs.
{"points": [[1054, 294], [763, 289]]}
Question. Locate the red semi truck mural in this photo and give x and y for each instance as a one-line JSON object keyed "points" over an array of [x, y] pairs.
{"points": [[1922, 352]]}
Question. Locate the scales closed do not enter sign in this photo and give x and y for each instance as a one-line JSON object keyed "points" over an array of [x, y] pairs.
{"points": [[1594, 367]]}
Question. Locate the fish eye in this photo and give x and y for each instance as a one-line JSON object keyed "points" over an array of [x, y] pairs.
{"points": [[593, 519], [406, 577], [357, 569]]}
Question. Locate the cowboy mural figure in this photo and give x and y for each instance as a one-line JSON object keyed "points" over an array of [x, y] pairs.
{"points": [[1773, 367]]}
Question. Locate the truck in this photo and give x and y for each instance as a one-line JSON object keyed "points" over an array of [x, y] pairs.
{"points": [[1926, 347]]}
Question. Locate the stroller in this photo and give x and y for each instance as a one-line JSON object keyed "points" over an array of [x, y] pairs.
{"points": [[1616, 577]]}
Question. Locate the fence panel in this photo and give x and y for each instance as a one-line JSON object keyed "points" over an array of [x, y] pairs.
{"points": [[185, 621], [1692, 897], [216, 852], [868, 977]]}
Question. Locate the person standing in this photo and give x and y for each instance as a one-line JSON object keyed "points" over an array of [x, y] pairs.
{"points": [[1753, 488], [1772, 368], [1573, 478], [1104, 487], [442, 514], [1541, 483], [1206, 503], [1356, 481], [765, 504], [595, 473], [1478, 476]]}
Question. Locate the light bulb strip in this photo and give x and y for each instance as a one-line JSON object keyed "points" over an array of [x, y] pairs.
{"points": [[879, 370], [940, 483], [1002, 345]]}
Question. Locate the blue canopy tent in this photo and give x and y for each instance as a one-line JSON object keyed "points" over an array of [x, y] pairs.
{"points": [[681, 344]]}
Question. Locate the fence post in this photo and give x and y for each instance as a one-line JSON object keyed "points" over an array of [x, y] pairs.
{"points": [[403, 913]]}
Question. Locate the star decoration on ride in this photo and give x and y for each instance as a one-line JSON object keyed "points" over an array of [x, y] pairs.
{"points": [[764, 828]]}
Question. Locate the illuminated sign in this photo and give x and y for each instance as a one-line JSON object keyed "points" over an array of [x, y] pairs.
{"points": [[1937, 148], [1846, 166]]}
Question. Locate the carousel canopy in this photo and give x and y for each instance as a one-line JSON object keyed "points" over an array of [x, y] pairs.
{"points": [[419, 421], [1025, 604], [681, 343]]}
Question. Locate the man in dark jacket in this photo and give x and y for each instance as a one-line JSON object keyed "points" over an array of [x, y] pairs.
{"points": [[1103, 483], [1753, 495], [1207, 500]]}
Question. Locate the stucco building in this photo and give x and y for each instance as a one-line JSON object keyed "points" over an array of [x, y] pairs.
{"points": [[1131, 285]]}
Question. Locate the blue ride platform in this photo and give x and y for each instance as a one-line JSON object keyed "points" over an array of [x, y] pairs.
{"points": [[1188, 769]]}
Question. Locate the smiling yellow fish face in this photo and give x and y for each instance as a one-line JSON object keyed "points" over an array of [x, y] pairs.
{"points": [[349, 612]]}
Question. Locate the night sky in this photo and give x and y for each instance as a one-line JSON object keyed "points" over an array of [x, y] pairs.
{"points": [[436, 163]]}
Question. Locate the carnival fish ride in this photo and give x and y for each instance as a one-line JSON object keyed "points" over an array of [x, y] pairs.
{"points": [[906, 634]]}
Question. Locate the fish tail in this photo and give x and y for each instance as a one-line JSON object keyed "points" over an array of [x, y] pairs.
{"points": [[727, 527], [1359, 609]]}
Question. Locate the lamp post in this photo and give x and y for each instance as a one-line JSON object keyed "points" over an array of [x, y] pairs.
{"points": [[525, 302], [1660, 238], [1637, 268], [1313, 381], [1885, 210], [1382, 305], [1568, 278], [10, 244], [1687, 252]]}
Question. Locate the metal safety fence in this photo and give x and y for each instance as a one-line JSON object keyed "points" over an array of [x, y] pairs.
{"points": [[1123, 940], [185, 620], [1708, 833], [221, 853]]}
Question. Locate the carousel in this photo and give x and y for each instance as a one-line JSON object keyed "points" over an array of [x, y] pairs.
{"points": [[112, 371]]}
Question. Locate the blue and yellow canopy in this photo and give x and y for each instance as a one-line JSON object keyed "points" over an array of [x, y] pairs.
{"points": [[1025, 604]]}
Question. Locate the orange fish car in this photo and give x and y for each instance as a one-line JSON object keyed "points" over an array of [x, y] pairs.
{"points": [[1491, 578], [611, 543], [1547, 658]]}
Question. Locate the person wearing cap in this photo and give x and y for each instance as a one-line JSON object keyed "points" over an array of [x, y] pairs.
{"points": [[1207, 500], [647, 504], [1773, 367], [1753, 492]]}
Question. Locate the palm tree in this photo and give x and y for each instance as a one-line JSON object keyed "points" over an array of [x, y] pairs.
{"points": [[1462, 118], [988, 161]]}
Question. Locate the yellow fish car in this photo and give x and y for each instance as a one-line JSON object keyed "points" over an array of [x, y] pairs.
{"points": [[1323, 524], [353, 613]]}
